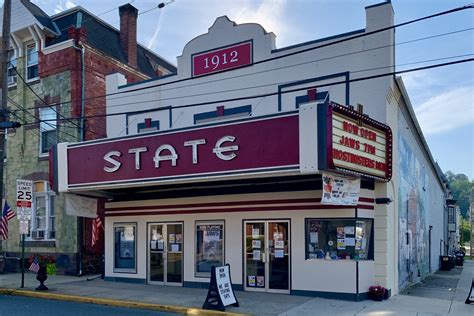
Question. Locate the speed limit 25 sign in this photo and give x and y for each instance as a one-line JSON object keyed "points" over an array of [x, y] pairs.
{"points": [[24, 193]]}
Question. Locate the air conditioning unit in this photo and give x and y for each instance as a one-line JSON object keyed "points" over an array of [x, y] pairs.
{"points": [[37, 234]]}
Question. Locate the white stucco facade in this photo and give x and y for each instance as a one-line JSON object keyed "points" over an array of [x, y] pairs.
{"points": [[278, 81]]}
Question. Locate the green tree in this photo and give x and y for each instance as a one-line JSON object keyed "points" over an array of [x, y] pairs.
{"points": [[461, 188]]}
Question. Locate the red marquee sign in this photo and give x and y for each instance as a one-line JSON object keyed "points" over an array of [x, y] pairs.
{"points": [[252, 146]]}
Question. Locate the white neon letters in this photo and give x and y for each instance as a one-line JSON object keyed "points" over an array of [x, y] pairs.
{"points": [[194, 144], [173, 156], [116, 163], [137, 152], [219, 151], [167, 152]]}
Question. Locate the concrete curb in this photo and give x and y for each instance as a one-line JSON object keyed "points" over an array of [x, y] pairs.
{"points": [[116, 303]]}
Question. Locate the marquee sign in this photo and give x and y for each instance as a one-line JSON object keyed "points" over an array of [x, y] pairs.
{"points": [[353, 142], [233, 148], [233, 56]]}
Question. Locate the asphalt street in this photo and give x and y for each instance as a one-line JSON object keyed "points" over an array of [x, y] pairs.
{"points": [[19, 306]]}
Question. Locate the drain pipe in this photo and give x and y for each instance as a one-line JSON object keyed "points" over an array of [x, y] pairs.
{"points": [[82, 136]]}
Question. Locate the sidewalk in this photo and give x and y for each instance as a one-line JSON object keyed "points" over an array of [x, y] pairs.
{"points": [[440, 294]]}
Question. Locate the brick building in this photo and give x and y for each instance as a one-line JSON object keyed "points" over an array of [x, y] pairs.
{"points": [[57, 71]]}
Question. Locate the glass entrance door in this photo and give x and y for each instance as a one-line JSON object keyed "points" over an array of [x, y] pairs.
{"points": [[165, 248], [267, 256]]}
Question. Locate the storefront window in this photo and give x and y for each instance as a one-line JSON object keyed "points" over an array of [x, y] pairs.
{"points": [[209, 247], [125, 247], [339, 239]]}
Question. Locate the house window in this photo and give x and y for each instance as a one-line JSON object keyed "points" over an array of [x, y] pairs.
{"points": [[12, 69], [125, 247], [48, 129], [42, 224], [339, 239], [451, 215], [31, 62], [209, 247]]}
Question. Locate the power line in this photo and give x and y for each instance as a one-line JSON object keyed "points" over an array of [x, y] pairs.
{"points": [[39, 121], [274, 84], [290, 66], [293, 53], [46, 103], [393, 73]]}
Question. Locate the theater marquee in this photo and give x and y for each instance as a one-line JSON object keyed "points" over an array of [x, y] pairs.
{"points": [[352, 142]]}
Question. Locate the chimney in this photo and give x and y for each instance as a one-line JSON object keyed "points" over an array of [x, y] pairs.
{"points": [[128, 32]]}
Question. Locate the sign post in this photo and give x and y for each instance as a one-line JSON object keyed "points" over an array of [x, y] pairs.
{"points": [[221, 293], [24, 199]]}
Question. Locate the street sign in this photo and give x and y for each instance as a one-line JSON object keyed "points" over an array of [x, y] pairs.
{"points": [[24, 193], [24, 227]]}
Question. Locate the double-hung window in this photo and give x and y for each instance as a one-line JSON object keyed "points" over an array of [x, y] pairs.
{"points": [[31, 62], [12, 68], [48, 129], [42, 224]]}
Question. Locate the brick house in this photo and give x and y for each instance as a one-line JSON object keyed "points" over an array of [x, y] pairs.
{"points": [[56, 77]]}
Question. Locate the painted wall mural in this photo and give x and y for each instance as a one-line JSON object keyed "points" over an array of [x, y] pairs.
{"points": [[413, 210]]}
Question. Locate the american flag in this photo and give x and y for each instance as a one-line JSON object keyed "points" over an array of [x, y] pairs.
{"points": [[96, 225], [7, 214], [35, 265]]}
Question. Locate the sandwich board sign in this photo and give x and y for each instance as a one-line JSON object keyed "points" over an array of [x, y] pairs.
{"points": [[221, 293], [470, 297], [24, 198]]}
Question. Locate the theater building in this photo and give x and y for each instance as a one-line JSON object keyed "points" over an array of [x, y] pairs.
{"points": [[285, 163]]}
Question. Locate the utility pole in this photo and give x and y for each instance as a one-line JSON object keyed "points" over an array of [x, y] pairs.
{"points": [[4, 79]]}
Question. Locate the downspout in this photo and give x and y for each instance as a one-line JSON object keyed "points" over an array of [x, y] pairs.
{"points": [[80, 221], [83, 77], [83, 93]]}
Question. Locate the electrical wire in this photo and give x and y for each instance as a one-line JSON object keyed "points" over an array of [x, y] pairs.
{"points": [[39, 121], [393, 73], [46, 103], [302, 51], [271, 70]]}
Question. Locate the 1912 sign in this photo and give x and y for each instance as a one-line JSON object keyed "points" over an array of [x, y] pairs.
{"points": [[221, 59]]}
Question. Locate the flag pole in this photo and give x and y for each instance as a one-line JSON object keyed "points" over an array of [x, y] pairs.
{"points": [[22, 260]]}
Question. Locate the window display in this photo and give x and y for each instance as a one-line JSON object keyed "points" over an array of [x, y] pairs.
{"points": [[209, 247], [334, 239], [125, 247]]}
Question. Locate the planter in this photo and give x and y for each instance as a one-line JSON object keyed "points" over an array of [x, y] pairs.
{"points": [[377, 296], [377, 293], [41, 276]]}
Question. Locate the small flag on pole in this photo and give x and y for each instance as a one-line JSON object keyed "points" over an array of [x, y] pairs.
{"points": [[96, 225], [7, 214], [35, 265]]}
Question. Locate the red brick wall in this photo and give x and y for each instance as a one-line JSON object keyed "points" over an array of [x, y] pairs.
{"points": [[98, 66]]}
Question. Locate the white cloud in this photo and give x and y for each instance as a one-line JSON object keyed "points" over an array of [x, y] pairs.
{"points": [[447, 111], [63, 5], [69, 4], [197, 16]]}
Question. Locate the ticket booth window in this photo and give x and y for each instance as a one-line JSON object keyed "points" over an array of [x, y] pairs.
{"points": [[209, 247]]}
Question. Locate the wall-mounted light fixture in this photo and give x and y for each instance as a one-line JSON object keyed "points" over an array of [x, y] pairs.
{"points": [[383, 201]]}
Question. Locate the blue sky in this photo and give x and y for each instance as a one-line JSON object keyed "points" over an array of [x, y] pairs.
{"points": [[443, 98]]}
